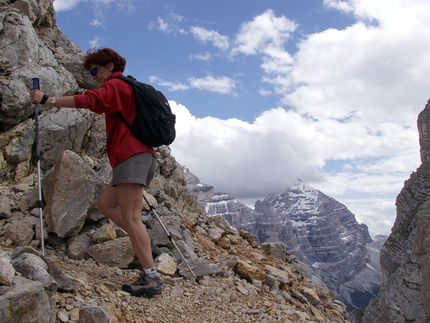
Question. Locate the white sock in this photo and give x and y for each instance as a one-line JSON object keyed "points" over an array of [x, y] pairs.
{"points": [[150, 272]]}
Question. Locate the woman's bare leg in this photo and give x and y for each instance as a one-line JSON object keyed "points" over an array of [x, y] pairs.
{"points": [[108, 204], [123, 205]]}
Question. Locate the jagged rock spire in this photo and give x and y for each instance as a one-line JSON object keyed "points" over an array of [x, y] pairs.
{"points": [[423, 124]]}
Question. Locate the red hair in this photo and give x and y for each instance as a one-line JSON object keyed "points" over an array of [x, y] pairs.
{"points": [[104, 56]]}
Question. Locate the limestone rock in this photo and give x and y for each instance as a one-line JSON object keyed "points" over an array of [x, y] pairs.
{"points": [[34, 268], [7, 272], [280, 274], [276, 249], [64, 281], [105, 233], [251, 238], [91, 314], [20, 230], [118, 252], [405, 259], [28, 301], [250, 272], [311, 296], [70, 190], [78, 246], [166, 264]]}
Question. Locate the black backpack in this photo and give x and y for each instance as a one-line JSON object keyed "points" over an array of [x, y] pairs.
{"points": [[155, 122]]}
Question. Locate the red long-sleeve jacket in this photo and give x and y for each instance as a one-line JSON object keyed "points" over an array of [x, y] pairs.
{"points": [[115, 95]]}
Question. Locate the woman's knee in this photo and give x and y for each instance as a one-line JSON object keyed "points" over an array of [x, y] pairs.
{"points": [[107, 199], [101, 204]]}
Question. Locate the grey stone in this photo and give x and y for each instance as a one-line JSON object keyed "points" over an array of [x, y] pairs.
{"points": [[34, 268], [275, 249], [118, 252], [94, 314], [71, 190], [19, 230], [64, 281], [5, 209], [26, 301], [405, 260], [7, 272], [78, 246]]}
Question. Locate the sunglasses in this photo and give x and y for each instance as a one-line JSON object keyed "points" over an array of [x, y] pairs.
{"points": [[94, 70]]}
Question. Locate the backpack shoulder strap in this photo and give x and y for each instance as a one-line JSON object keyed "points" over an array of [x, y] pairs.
{"points": [[129, 79]]}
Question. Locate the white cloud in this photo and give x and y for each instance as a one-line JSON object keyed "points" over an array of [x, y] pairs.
{"points": [[235, 156], [351, 97], [212, 36], [399, 16], [221, 85], [95, 43], [263, 33], [377, 213], [160, 25], [170, 85], [169, 25], [201, 57], [96, 23], [340, 5], [252, 160], [360, 71], [63, 5]]}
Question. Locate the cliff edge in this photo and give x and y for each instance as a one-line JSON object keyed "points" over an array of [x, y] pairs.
{"points": [[405, 256]]}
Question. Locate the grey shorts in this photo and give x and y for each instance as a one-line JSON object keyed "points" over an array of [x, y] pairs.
{"points": [[137, 169]]}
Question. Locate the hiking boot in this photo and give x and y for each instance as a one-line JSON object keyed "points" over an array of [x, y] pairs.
{"points": [[144, 286]]}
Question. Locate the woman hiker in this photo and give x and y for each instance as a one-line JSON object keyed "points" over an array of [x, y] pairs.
{"points": [[132, 161]]}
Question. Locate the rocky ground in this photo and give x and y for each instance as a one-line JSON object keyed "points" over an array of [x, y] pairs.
{"points": [[251, 283], [221, 298]]}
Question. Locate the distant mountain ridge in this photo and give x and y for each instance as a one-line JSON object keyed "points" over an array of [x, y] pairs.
{"points": [[316, 228]]}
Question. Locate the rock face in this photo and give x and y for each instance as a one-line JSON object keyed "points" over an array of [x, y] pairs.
{"points": [[405, 256], [240, 282], [331, 241], [318, 230]]}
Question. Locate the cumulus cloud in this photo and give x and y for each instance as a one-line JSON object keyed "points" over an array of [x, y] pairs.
{"points": [[63, 5], [348, 104], [169, 25], [348, 97], [170, 85], [263, 33], [221, 85], [201, 57], [96, 23], [95, 43], [252, 160], [236, 156], [211, 36]]}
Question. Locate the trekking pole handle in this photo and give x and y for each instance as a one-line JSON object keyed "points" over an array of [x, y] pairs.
{"points": [[35, 83]]}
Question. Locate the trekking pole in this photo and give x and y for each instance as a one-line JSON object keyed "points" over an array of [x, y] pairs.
{"points": [[170, 237], [38, 158]]}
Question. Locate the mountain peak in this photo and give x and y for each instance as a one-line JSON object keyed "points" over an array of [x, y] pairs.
{"points": [[300, 199], [318, 230]]}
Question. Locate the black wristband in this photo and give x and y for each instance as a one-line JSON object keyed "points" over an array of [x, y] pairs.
{"points": [[45, 97]]}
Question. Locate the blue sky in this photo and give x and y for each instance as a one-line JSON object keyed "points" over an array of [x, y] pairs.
{"points": [[265, 92]]}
